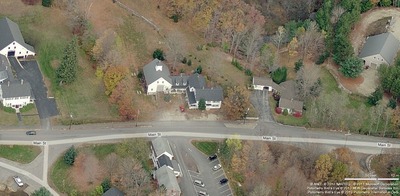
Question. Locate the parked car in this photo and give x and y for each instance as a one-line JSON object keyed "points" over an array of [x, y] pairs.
{"points": [[199, 183], [31, 133], [217, 167], [202, 193], [212, 157], [18, 181], [223, 181]]}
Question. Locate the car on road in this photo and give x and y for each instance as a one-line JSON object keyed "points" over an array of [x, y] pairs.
{"points": [[217, 167], [31, 133], [18, 181], [199, 183], [223, 181], [203, 193], [212, 157]]}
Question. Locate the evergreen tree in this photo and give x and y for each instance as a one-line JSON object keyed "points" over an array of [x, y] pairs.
{"points": [[66, 72], [46, 3], [70, 155], [202, 104], [41, 192]]}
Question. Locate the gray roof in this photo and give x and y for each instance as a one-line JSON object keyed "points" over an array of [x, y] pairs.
{"points": [[175, 165], [3, 67], [384, 44], [197, 81], [113, 192], [151, 74], [292, 104], [16, 89], [160, 145], [265, 82], [210, 94], [180, 81], [288, 89], [9, 32], [191, 97], [164, 160], [166, 177]]}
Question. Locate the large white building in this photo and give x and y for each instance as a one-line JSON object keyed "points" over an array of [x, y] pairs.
{"points": [[11, 41], [16, 94]]}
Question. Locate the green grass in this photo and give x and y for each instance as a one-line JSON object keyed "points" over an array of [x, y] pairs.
{"points": [[20, 154], [355, 101], [27, 108], [60, 176], [328, 82], [291, 120], [102, 150], [207, 147]]}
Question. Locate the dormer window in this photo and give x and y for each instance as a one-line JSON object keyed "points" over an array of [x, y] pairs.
{"points": [[13, 43]]}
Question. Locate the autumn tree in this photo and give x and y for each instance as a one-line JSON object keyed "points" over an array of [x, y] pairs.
{"points": [[122, 96], [134, 178], [110, 164], [66, 72], [294, 182], [113, 76], [279, 37], [323, 168], [267, 56], [236, 102], [311, 42], [104, 46], [292, 47]]}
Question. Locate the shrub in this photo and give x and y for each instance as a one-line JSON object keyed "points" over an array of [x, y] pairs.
{"points": [[279, 75], [106, 184], [392, 103], [366, 5], [285, 112], [159, 54], [376, 96], [175, 18], [248, 72], [297, 114], [276, 96], [199, 69], [278, 110], [46, 3], [322, 58], [70, 155], [202, 104], [298, 65], [189, 63], [41, 192], [184, 60], [237, 64]]}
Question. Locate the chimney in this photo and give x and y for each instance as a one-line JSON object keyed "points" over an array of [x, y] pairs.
{"points": [[22, 81]]}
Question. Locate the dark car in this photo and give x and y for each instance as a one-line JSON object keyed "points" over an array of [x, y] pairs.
{"points": [[31, 133], [223, 181], [212, 157]]}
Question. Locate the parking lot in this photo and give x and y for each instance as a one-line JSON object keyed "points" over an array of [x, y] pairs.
{"points": [[196, 166]]}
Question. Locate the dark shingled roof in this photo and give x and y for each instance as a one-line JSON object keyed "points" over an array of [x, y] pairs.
{"points": [[197, 81], [9, 32], [180, 81], [288, 89], [166, 177], [384, 44], [151, 74], [266, 82], [113, 192], [160, 145], [164, 160], [191, 97], [16, 89], [3, 67], [292, 104], [210, 94]]}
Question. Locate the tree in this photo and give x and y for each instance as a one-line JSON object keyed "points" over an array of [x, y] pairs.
{"points": [[267, 56], [311, 42], [279, 37], [110, 165], [323, 168], [292, 47], [134, 178], [66, 72], [46, 3], [202, 104], [236, 102], [294, 181], [392, 103], [376, 96], [279, 75], [336, 13], [339, 172], [323, 15], [385, 3], [159, 54], [298, 64], [112, 77], [199, 69], [70, 155], [41, 192], [351, 67], [308, 82], [175, 46], [366, 5], [260, 190]]}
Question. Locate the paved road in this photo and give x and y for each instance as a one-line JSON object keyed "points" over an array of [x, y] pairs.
{"points": [[259, 99]]}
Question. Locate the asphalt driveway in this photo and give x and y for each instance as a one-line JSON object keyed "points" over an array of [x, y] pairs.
{"points": [[30, 72], [259, 99]]}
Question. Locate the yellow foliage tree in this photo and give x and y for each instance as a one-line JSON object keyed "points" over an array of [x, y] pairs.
{"points": [[323, 168], [113, 76]]}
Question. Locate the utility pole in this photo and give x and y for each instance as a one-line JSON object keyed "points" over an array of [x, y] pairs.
{"points": [[347, 134], [245, 115], [70, 122]]}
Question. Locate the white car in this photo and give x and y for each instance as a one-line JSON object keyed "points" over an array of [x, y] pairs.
{"points": [[217, 167], [18, 181]]}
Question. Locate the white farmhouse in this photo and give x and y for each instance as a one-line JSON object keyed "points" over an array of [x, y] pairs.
{"points": [[157, 77], [16, 94], [379, 49], [11, 41], [197, 91]]}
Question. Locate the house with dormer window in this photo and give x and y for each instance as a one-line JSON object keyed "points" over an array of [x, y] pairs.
{"points": [[11, 41]]}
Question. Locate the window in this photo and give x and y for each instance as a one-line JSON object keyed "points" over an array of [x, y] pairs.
{"points": [[15, 47], [13, 43], [26, 52], [8, 47], [19, 52]]}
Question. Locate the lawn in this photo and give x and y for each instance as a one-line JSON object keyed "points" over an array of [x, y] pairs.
{"points": [[207, 147], [60, 176], [102, 150], [329, 83], [29, 116], [18, 153], [286, 120]]}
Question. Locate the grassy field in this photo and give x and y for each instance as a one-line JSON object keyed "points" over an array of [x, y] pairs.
{"points": [[207, 147], [29, 116], [20, 154], [102, 150], [60, 176]]}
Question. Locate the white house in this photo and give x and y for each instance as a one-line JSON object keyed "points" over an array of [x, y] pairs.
{"points": [[157, 77], [162, 155], [11, 41], [16, 94], [379, 49], [197, 91]]}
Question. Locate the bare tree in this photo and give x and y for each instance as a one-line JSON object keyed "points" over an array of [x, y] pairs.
{"points": [[175, 46], [308, 82], [311, 42], [279, 37], [337, 11], [260, 190], [111, 164], [294, 181], [134, 177]]}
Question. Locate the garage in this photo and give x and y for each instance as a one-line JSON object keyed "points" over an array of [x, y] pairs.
{"points": [[11, 53]]}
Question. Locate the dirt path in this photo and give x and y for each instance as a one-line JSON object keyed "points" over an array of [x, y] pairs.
{"points": [[357, 36]]}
